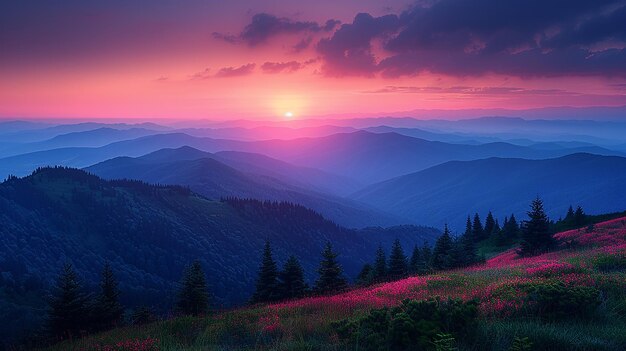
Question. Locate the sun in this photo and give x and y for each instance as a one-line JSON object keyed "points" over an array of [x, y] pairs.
{"points": [[288, 114]]}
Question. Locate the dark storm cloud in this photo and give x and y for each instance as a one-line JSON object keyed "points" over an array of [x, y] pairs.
{"points": [[280, 67], [265, 26], [463, 38], [349, 50]]}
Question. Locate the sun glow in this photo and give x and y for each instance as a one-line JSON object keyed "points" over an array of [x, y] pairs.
{"points": [[288, 114]]}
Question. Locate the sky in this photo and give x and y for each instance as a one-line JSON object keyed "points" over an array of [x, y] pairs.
{"points": [[287, 59]]}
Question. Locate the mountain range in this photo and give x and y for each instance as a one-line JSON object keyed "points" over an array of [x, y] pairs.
{"points": [[447, 193]]}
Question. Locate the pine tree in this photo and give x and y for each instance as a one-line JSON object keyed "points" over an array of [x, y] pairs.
{"points": [[292, 283], [490, 225], [442, 258], [380, 265], [579, 217], [477, 228], [108, 310], [330, 273], [267, 287], [569, 217], [468, 227], [68, 311], [365, 276], [468, 249], [536, 235], [398, 267], [193, 296], [415, 264], [427, 256]]}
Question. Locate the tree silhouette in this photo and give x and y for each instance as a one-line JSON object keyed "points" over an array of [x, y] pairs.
{"points": [[68, 313], [108, 310], [477, 228], [292, 283], [442, 258], [330, 273], [193, 297], [267, 287], [380, 265], [398, 267], [536, 235]]}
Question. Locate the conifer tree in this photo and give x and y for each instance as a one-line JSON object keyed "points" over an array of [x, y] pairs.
{"points": [[569, 217], [490, 225], [380, 265], [330, 273], [415, 264], [193, 296], [68, 310], [513, 227], [579, 217], [427, 256], [536, 235], [108, 310], [477, 228], [468, 227], [442, 258], [365, 276], [398, 267], [292, 279], [468, 248], [267, 287]]}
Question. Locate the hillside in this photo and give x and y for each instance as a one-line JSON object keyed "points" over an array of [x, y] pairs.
{"points": [[516, 297], [451, 191], [149, 234], [244, 175]]}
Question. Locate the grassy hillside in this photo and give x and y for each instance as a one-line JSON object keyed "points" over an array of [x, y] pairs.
{"points": [[149, 234], [571, 299]]}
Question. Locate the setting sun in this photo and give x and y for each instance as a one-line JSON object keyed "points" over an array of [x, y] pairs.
{"points": [[288, 114]]}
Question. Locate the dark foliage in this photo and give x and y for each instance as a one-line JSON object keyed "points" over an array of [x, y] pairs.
{"points": [[536, 232], [267, 288], [443, 251], [560, 301], [414, 325], [331, 277], [108, 312], [193, 296], [68, 316], [398, 265], [292, 284]]}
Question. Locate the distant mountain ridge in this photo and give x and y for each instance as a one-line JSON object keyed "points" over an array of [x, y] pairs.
{"points": [[247, 176], [450, 191]]}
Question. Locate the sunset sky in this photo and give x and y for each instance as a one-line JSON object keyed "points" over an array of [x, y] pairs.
{"points": [[262, 59]]}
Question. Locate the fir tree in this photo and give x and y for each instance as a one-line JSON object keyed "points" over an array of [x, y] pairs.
{"points": [[468, 227], [468, 248], [398, 267], [267, 287], [490, 225], [193, 296], [442, 252], [477, 228], [569, 217], [380, 265], [330, 273], [68, 311], [415, 264], [536, 235], [365, 276], [108, 310], [427, 256], [579, 217], [292, 279]]}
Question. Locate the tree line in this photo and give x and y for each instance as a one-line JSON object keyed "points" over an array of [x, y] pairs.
{"points": [[73, 312]]}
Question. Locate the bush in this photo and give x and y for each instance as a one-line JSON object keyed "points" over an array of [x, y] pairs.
{"points": [[414, 325], [558, 301], [609, 263]]}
